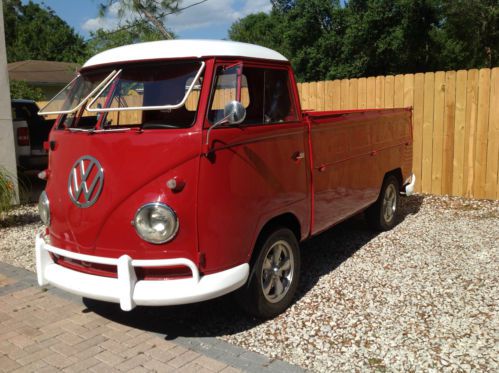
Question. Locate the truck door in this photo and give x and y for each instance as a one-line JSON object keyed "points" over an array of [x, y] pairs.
{"points": [[253, 171]]}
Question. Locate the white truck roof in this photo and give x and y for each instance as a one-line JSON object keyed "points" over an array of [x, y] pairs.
{"points": [[165, 49]]}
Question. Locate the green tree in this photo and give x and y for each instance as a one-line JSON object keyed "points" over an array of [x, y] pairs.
{"points": [[469, 34], [152, 12], [33, 32], [21, 89], [387, 37], [102, 40], [259, 28], [328, 39]]}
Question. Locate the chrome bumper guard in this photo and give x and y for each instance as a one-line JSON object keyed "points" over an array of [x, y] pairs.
{"points": [[408, 188], [126, 289]]}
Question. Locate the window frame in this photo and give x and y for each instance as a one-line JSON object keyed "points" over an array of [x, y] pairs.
{"points": [[264, 66]]}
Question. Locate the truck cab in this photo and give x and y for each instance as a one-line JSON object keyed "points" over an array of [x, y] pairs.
{"points": [[183, 170]]}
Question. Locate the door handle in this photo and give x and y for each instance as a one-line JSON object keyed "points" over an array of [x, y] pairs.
{"points": [[298, 155]]}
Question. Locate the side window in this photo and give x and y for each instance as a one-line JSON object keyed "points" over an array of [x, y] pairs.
{"points": [[226, 90], [279, 105], [265, 93]]}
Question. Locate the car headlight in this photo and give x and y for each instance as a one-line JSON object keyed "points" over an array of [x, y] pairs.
{"points": [[44, 208], [156, 223]]}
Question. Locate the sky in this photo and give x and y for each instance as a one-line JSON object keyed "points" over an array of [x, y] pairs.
{"points": [[209, 20]]}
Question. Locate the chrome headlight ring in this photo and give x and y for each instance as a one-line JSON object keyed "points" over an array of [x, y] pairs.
{"points": [[156, 223], [44, 208]]}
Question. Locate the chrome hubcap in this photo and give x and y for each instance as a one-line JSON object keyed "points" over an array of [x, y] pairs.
{"points": [[389, 203], [277, 271]]}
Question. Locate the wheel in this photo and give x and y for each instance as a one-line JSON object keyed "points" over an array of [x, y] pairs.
{"points": [[382, 215], [274, 275]]}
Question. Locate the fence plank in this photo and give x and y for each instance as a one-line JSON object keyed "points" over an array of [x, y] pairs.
{"points": [[470, 131], [380, 91], [438, 133], [409, 90], [321, 96], [328, 92], [362, 94], [426, 156], [344, 94], [481, 133], [449, 118], [389, 89], [313, 101], [353, 92], [491, 186], [336, 94], [418, 128], [459, 131], [371, 93], [398, 92], [305, 87]]}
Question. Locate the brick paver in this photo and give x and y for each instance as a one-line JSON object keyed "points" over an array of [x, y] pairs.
{"points": [[49, 331]]}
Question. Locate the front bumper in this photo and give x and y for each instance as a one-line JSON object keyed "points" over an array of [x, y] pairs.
{"points": [[126, 289]]}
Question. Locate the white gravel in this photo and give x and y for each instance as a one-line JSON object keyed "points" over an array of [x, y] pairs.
{"points": [[17, 236], [422, 297]]}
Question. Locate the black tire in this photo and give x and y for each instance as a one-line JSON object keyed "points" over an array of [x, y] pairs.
{"points": [[261, 296], [382, 215]]}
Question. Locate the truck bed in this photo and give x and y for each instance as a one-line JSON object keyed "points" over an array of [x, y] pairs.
{"points": [[351, 152]]}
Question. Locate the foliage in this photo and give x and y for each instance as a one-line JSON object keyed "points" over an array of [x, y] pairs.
{"points": [[329, 39], [7, 190], [33, 32], [21, 89], [469, 37], [152, 13], [102, 40]]}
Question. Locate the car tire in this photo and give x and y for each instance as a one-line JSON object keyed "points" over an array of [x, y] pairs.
{"points": [[382, 215], [274, 275]]}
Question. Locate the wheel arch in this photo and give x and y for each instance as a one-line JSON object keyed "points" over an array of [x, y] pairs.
{"points": [[285, 220], [397, 172]]}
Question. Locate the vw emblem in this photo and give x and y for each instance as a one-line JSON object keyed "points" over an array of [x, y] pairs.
{"points": [[85, 181]]}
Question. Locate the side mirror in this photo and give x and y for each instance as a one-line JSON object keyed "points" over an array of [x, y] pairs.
{"points": [[234, 112]]}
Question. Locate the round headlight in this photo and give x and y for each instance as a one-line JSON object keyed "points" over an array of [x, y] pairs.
{"points": [[44, 208], [156, 223]]}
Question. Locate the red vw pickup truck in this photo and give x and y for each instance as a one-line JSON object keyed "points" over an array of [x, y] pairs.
{"points": [[183, 170]]}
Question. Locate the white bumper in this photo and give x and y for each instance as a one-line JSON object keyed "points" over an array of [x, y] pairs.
{"points": [[126, 289]]}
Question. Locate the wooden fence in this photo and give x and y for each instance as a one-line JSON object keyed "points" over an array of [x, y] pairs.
{"points": [[455, 118]]}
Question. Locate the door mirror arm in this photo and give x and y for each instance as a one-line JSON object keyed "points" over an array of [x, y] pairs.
{"points": [[234, 113]]}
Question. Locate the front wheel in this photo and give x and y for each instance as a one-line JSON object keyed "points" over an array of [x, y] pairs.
{"points": [[383, 214], [274, 276]]}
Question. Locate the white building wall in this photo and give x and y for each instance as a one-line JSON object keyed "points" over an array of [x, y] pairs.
{"points": [[7, 150]]}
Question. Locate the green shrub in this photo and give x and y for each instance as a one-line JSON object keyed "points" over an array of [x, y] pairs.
{"points": [[7, 190]]}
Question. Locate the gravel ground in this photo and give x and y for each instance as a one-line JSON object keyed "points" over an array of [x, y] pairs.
{"points": [[422, 297]]}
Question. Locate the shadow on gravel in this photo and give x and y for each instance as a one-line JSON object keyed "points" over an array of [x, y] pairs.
{"points": [[19, 220], [320, 255]]}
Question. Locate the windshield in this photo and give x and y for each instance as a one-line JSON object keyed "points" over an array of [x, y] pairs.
{"points": [[145, 95], [74, 95]]}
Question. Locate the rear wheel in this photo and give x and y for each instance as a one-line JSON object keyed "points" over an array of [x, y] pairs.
{"points": [[274, 276], [383, 214]]}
